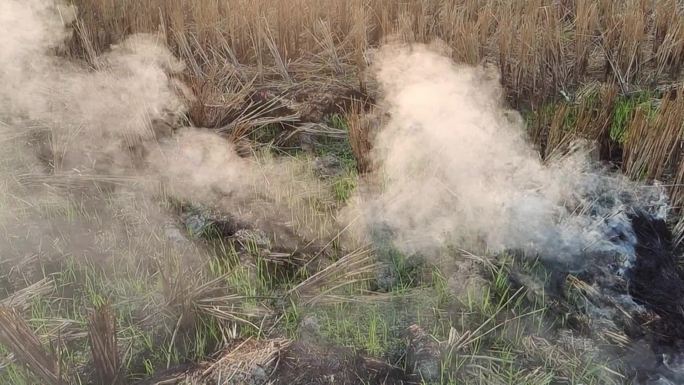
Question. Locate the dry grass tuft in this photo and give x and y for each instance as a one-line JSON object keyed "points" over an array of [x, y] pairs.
{"points": [[22, 299], [362, 126], [352, 269], [18, 338], [103, 344], [237, 363], [189, 295], [654, 138]]}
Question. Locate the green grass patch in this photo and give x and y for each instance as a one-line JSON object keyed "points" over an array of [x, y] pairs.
{"points": [[339, 147], [625, 108]]}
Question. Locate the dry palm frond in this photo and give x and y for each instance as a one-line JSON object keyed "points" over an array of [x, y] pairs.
{"points": [[19, 339]]}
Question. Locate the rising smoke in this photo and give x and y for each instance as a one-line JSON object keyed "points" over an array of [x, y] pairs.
{"points": [[456, 168]]}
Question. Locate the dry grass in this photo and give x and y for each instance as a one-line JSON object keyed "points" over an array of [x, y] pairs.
{"points": [[253, 63], [352, 269], [103, 344], [541, 46], [640, 131], [678, 196], [22, 299], [18, 337], [362, 126], [653, 142], [238, 362]]}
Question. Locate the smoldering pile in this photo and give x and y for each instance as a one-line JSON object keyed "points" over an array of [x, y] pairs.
{"points": [[457, 169]]}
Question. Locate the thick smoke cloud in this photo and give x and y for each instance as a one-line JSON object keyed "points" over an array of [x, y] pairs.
{"points": [[456, 168]]}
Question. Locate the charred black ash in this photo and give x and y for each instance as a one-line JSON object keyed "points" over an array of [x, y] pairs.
{"points": [[656, 281], [644, 298]]}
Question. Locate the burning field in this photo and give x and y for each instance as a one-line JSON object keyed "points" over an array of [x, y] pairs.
{"points": [[192, 195]]}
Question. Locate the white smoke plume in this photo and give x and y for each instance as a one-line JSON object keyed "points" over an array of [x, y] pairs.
{"points": [[456, 168]]}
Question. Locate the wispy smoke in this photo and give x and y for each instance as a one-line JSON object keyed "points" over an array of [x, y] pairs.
{"points": [[456, 168], [90, 113], [73, 135], [112, 127]]}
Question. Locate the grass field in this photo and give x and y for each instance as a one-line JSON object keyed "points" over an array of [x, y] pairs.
{"points": [[101, 287]]}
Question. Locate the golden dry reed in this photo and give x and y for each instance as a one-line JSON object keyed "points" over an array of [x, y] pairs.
{"points": [[546, 51]]}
